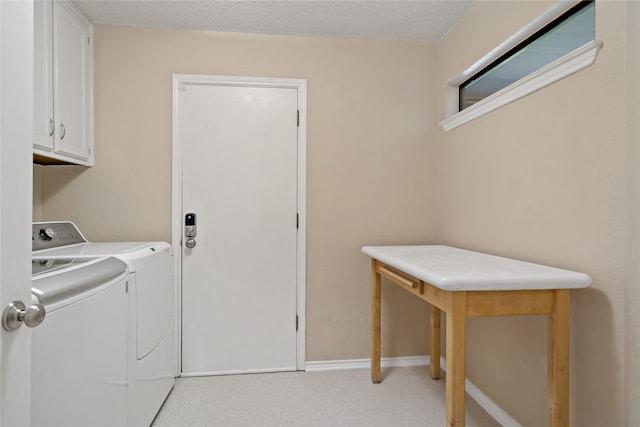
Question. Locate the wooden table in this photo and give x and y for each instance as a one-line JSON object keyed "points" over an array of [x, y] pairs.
{"points": [[470, 284]]}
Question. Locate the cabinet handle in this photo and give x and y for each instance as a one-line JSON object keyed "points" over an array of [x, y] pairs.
{"points": [[52, 127], [63, 131]]}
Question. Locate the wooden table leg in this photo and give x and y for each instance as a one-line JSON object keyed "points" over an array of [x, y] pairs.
{"points": [[456, 319], [434, 344], [558, 361], [375, 323]]}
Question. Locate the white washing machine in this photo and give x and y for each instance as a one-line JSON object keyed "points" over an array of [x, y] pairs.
{"points": [[152, 353], [79, 352]]}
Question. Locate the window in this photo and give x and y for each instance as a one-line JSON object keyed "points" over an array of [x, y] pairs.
{"points": [[555, 45], [568, 32]]}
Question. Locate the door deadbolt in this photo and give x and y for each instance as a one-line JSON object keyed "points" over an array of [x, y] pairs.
{"points": [[190, 230], [16, 313], [190, 227]]}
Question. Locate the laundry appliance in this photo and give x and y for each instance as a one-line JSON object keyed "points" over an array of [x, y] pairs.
{"points": [[79, 352], [152, 351]]}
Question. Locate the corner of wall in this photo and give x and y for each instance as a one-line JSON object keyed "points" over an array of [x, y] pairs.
{"points": [[37, 193]]}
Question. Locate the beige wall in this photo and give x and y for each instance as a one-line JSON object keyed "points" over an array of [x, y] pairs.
{"points": [[37, 193], [632, 317], [546, 179], [371, 160]]}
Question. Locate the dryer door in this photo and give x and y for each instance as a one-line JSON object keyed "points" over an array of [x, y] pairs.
{"points": [[154, 298]]}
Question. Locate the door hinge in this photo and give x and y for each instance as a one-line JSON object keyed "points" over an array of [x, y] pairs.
{"points": [[298, 118], [297, 220], [296, 322]]}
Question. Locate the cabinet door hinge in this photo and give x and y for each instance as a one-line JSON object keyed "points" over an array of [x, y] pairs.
{"points": [[298, 118], [296, 322], [297, 220]]}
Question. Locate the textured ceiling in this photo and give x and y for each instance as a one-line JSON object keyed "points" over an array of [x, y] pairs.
{"points": [[422, 20]]}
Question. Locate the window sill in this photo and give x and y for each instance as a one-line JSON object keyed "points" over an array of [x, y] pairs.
{"points": [[563, 67]]}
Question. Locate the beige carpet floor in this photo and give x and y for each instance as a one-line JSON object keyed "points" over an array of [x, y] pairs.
{"points": [[406, 397]]}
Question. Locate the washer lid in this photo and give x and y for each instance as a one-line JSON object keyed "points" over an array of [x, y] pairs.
{"points": [[41, 266], [92, 249], [73, 278]]}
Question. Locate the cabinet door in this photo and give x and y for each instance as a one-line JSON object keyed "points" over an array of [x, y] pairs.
{"points": [[43, 124], [72, 74]]}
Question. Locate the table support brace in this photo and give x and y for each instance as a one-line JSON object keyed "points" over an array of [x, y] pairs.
{"points": [[558, 360], [375, 323]]}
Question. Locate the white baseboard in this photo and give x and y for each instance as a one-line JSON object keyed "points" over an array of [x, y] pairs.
{"points": [[396, 362], [385, 362]]}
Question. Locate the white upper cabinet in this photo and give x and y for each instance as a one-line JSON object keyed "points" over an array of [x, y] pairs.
{"points": [[63, 85], [43, 123]]}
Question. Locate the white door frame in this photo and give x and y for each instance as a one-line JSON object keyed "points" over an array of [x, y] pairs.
{"points": [[179, 80]]}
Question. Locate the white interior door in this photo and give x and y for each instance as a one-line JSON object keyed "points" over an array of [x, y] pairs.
{"points": [[16, 133], [239, 176]]}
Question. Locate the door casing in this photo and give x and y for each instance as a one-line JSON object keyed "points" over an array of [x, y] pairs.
{"points": [[179, 80]]}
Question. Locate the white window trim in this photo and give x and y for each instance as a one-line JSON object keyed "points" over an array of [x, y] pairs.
{"points": [[559, 69], [570, 63]]}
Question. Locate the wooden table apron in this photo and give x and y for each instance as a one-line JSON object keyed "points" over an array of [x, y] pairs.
{"points": [[458, 305]]}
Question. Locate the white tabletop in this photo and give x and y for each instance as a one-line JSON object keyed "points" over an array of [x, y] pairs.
{"points": [[455, 269]]}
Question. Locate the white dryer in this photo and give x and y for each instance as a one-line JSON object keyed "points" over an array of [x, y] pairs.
{"points": [[152, 368]]}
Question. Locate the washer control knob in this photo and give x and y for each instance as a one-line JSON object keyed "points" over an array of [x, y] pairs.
{"points": [[47, 233]]}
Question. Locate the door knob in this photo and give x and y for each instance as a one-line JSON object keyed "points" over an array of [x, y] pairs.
{"points": [[16, 313]]}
